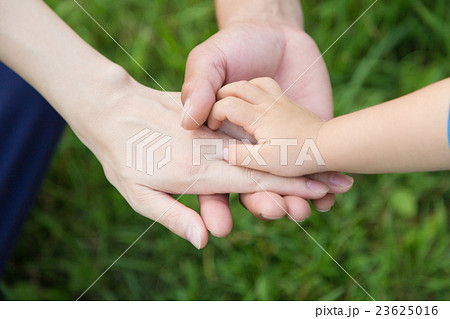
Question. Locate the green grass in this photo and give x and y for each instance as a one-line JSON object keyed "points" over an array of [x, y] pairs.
{"points": [[390, 232]]}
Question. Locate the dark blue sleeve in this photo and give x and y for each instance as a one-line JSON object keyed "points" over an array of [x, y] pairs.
{"points": [[29, 130]]}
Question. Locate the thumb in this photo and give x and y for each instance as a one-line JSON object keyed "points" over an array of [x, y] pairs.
{"points": [[205, 75]]}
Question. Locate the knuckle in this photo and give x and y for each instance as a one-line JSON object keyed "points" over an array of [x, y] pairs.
{"points": [[228, 102], [138, 197], [263, 80], [235, 86], [186, 88], [110, 175], [136, 206], [268, 83], [257, 112], [136, 202], [241, 84], [171, 218], [197, 51], [207, 54]]}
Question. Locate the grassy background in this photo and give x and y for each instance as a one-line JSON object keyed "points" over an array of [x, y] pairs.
{"points": [[390, 232]]}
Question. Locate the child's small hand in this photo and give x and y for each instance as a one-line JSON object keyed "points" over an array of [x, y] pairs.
{"points": [[286, 133]]}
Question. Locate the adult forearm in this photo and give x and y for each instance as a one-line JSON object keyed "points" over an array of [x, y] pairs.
{"points": [[41, 48], [403, 135], [277, 11]]}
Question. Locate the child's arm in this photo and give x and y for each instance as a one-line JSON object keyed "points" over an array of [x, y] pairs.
{"points": [[408, 134], [403, 135]]}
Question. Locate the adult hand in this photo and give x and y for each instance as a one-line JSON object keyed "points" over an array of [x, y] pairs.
{"points": [[243, 51], [135, 108], [105, 107], [248, 50]]}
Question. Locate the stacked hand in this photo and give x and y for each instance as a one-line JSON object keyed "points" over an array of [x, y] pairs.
{"points": [[135, 108], [243, 51], [105, 107]]}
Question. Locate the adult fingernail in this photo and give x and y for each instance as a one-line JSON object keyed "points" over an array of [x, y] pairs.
{"points": [[341, 180], [193, 235], [269, 217], [186, 112], [317, 187]]}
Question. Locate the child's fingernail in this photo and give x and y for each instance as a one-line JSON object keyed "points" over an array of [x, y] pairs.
{"points": [[341, 180], [193, 235], [317, 187], [323, 210], [225, 154], [185, 114]]}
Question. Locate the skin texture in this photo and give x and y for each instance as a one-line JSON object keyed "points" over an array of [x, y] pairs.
{"points": [[407, 134]]}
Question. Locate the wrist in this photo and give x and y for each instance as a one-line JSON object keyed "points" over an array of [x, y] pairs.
{"points": [[324, 143], [281, 12], [83, 98], [86, 105]]}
